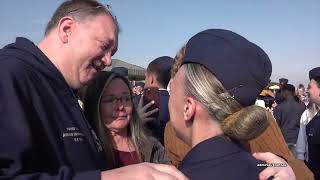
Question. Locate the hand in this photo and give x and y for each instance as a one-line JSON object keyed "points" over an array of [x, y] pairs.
{"points": [[278, 173], [144, 171], [143, 113]]}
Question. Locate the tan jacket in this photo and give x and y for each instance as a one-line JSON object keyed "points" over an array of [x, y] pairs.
{"points": [[176, 148]]}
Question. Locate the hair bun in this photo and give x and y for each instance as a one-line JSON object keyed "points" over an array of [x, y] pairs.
{"points": [[246, 124]]}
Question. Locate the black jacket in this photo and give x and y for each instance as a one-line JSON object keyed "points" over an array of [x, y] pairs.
{"points": [[313, 134], [43, 132], [220, 158], [288, 115]]}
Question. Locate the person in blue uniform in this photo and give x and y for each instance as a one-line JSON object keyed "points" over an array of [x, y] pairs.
{"points": [[158, 76], [288, 114], [313, 127], [43, 132], [211, 104]]}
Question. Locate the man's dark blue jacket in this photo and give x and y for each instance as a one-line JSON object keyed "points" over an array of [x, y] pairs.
{"points": [[43, 132]]}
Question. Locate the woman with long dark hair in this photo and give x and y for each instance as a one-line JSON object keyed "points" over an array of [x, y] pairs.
{"points": [[109, 108]]}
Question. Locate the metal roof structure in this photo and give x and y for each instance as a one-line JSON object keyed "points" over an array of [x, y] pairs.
{"points": [[135, 72]]}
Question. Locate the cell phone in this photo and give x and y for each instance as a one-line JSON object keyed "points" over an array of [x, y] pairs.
{"points": [[151, 94]]}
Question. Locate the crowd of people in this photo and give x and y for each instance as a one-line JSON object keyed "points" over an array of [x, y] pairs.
{"points": [[195, 116], [293, 108]]}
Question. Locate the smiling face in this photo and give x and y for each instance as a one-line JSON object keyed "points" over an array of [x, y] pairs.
{"points": [[116, 106], [93, 43], [314, 91]]}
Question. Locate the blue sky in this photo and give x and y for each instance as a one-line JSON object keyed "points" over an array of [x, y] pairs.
{"points": [[289, 31]]}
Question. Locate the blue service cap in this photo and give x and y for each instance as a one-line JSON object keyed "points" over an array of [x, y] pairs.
{"points": [[283, 81], [164, 62], [315, 72], [242, 67], [122, 71]]}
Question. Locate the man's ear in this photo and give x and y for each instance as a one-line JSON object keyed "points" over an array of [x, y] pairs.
{"points": [[65, 28], [189, 109], [152, 79]]}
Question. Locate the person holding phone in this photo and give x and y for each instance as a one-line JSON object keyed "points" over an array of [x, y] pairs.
{"points": [[109, 108], [156, 82]]}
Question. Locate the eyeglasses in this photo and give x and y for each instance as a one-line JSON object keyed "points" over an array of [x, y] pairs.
{"points": [[125, 100]]}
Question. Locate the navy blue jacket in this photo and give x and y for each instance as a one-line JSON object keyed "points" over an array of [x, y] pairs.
{"points": [[220, 158], [288, 115], [43, 132], [313, 134], [157, 127]]}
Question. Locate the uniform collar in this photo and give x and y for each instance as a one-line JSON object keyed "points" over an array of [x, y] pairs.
{"points": [[209, 150], [163, 92]]}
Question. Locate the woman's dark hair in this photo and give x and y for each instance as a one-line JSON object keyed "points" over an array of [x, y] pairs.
{"points": [[91, 107]]}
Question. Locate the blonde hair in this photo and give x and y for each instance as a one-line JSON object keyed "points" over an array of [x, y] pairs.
{"points": [[177, 61], [241, 123]]}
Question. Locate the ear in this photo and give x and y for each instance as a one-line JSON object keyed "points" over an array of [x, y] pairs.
{"points": [[189, 109], [152, 78], [65, 28]]}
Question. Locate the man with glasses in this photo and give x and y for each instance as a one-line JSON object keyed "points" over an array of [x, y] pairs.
{"points": [[43, 132]]}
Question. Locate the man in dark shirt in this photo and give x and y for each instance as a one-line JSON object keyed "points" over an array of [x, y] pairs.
{"points": [[44, 134], [158, 76], [288, 115]]}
